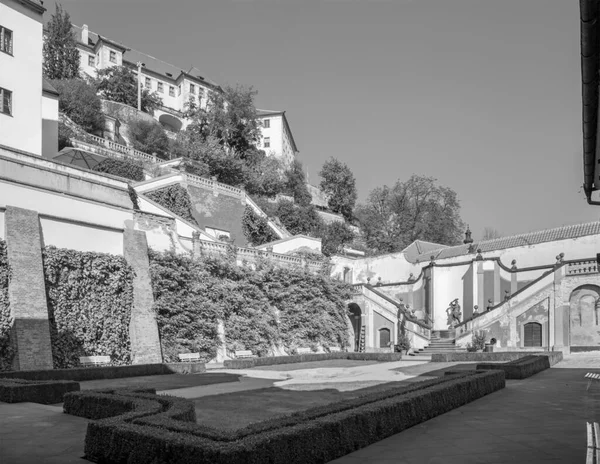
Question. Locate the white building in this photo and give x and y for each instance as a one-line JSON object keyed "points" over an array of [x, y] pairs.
{"points": [[28, 106], [276, 136]]}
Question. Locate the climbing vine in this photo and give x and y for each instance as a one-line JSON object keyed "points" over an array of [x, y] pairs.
{"points": [[122, 168], [6, 350], [89, 296], [256, 228], [261, 308], [176, 199]]}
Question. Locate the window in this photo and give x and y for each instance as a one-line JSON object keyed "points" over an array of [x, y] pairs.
{"points": [[266, 123], [97, 59], [267, 142], [193, 89], [179, 90], [148, 83], [532, 333], [384, 338], [171, 91], [6, 40], [5, 101], [91, 60], [200, 92], [113, 56], [159, 87]]}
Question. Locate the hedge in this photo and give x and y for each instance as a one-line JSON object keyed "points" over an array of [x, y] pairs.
{"points": [[108, 372], [45, 392], [6, 350], [163, 429], [553, 356], [248, 363], [520, 368]]}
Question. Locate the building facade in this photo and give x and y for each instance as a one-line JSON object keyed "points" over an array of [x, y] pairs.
{"points": [[276, 136]]}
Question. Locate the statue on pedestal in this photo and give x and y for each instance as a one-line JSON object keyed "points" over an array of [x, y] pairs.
{"points": [[454, 313]]}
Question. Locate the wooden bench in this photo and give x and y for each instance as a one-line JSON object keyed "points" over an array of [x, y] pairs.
{"points": [[189, 357], [592, 377], [304, 351], [244, 354], [87, 361], [593, 448]]}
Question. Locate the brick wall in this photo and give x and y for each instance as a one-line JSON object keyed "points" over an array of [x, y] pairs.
{"points": [[143, 329], [27, 291]]}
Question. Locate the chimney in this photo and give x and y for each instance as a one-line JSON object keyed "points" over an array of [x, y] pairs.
{"points": [[84, 34]]}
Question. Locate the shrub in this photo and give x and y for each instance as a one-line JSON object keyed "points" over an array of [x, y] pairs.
{"points": [[256, 228], [44, 392], [176, 199], [78, 100], [65, 134], [298, 219], [89, 304], [248, 363], [6, 350], [478, 340], [520, 368], [122, 168], [149, 137], [403, 342]]}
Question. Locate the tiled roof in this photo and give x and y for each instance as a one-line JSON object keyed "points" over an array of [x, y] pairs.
{"points": [[153, 64], [530, 238]]}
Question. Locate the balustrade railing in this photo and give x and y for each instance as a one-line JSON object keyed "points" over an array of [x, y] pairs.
{"points": [[582, 267]]}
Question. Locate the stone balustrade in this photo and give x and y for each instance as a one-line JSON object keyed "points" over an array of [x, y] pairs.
{"points": [[582, 267]]}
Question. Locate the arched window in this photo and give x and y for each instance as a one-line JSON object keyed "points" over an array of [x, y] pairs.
{"points": [[384, 338], [532, 334]]}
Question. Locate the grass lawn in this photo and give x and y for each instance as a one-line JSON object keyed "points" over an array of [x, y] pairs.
{"points": [[335, 363], [162, 382]]}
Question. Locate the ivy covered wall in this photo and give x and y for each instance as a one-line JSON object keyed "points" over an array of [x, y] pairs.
{"points": [[261, 309], [89, 305], [6, 351]]}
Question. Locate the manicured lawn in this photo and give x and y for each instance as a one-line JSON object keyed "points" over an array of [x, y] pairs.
{"points": [[162, 382]]}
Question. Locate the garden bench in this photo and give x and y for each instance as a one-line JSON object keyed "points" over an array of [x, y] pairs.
{"points": [[189, 357], [304, 350], [87, 361], [592, 377], [244, 354], [593, 448], [335, 349]]}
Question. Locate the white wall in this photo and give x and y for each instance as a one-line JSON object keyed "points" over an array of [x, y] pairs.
{"points": [[293, 244], [22, 74]]}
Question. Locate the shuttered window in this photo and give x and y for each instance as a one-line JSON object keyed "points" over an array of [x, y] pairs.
{"points": [[5, 101], [384, 338], [533, 334], [6, 40]]}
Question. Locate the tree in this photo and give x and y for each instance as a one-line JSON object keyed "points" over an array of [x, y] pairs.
{"points": [[265, 174], [299, 219], [394, 217], [149, 137], [334, 236], [339, 183], [296, 184], [119, 84], [78, 100], [489, 233], [61, 57]]}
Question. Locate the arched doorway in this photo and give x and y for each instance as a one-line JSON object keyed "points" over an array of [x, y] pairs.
{"points": [[384, 338], [532, 334], [356, 320], [584, 308]]}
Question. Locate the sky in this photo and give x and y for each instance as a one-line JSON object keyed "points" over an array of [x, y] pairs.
{"points": [[483, 95]]}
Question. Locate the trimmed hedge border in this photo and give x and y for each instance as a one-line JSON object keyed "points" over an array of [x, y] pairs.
{"points": [[81, 374], [162, 429], [553, 356], [521, 368], [21, 391], [248, 363]]}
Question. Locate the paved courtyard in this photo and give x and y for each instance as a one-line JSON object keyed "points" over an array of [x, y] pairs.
{"points": [[540, 419]]}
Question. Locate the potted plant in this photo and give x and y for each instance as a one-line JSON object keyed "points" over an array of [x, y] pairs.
{"points": [[478, 340], [403, 344]]}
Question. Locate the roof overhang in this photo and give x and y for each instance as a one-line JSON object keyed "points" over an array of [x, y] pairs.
{"points": [[590, 62], [33, 5]]}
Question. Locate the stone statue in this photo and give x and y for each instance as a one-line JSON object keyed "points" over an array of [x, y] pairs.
{"points": [[454, 313]]}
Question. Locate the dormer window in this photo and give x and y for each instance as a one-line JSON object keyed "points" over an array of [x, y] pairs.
{"points": [[6, 40]]}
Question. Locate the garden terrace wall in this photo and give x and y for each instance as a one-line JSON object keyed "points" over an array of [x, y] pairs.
{"points": [[145, 435], [109, 372], [44, 392], [553, 356], [248, 363], [521, 368]]}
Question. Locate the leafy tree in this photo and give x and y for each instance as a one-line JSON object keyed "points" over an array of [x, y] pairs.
{"points": [[299, 219], [61, 57], [334, 236], [265, 174], [256, 228], [119, 84], [149, 137], [64, 136], [79, 101], [489, 233], [393, 217], [339, 183], [296, 184]]}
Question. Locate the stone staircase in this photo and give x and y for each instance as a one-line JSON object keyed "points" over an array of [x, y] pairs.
{"points": [[442, 341]]}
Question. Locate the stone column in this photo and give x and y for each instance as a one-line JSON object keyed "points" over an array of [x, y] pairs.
{"points": [[480, 286], [30, 334], [497, 283], [143, 329]]}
